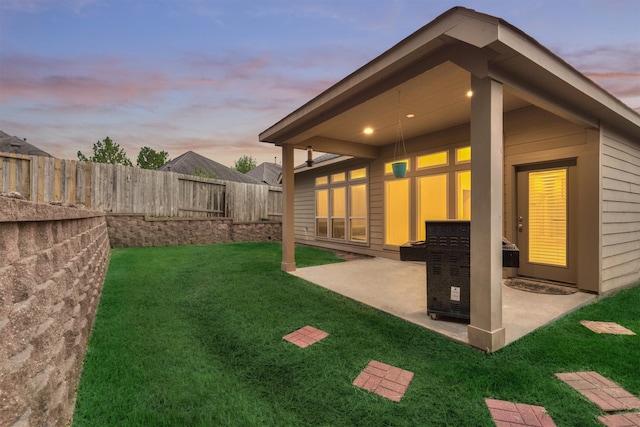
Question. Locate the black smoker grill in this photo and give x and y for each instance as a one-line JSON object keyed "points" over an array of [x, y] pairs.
{"points": [[448, 256], [447, 252]]}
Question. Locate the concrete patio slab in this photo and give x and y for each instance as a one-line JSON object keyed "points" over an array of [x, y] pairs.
{"points": [[399, 288]]}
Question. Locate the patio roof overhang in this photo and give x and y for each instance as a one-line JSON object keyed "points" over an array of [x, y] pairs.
{"points": [[428, 74]]}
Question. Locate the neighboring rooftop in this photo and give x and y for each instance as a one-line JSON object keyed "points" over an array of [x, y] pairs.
{"points": [[189, 163], [13, 144], [323, 160], [269, 173]]}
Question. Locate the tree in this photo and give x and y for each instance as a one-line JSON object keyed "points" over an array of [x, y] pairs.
{"points": [[245, 163], [200, 172], [106, 151], [148, 158]]}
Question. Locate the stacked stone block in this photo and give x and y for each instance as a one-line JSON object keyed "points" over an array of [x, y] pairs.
{"points": [[134, 230], [53, 261]]}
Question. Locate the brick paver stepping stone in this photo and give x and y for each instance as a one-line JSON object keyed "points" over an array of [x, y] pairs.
{"points": [[606, 328], [384, 380], [306, 336], [621, 420], [507, 414], [608, 395]]}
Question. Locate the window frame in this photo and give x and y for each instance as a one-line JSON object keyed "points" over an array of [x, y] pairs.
{"points": [[342, 179], [452, 168]]}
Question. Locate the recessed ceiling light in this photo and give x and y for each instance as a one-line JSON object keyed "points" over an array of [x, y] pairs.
{"points": [[469, 94], [410, 116], [368, 131]]}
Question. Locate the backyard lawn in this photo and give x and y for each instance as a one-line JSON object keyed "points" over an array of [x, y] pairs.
{"points": [[192, 336]]}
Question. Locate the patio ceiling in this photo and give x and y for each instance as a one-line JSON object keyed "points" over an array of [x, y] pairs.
{"points": [[437, 98]]}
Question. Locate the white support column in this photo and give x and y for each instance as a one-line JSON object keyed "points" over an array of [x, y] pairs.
{"points": [[486, 331], [288, 220]]}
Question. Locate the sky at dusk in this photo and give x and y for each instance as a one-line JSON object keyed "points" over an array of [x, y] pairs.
{"points": [[210, 75]]}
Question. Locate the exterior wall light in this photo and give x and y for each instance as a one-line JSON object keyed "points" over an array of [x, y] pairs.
{"points": [[309, 156]]}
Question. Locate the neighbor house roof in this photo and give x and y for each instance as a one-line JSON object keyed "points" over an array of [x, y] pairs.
{"points": [[188, 162], [13, 144], [269, 173]]}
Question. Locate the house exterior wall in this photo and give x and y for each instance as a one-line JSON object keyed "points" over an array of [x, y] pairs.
{"points": [[305, 192], [536, 136], [620, 211], [531, 135]]}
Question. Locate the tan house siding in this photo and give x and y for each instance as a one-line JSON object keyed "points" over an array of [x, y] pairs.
{"points": [[620, 211], [534, 136], [304, 208]]}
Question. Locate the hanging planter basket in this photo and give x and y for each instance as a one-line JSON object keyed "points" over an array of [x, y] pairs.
{"points": [[399, 169]]}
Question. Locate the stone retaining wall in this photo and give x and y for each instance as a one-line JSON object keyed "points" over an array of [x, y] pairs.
{"points": [[53, 261], [133, 230]]}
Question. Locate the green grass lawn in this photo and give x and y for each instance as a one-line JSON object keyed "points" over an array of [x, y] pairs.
{"points": [[192, 336]]}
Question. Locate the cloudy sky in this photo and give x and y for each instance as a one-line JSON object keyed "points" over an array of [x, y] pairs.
{"points": [[210, 75]]}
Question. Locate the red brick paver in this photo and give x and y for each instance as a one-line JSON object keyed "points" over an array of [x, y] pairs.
{"points": [[384, 380], [306, 336], [507, 414], [608, 395], [606, 328], [621, 420]]}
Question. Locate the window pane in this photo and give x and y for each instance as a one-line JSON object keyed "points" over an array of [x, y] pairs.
{"points": [[322, 203], [358, 206], [431, 160], [358, 173], [548, 217], [396, 211], [339, 177], [337, 228], [463, 155], [322, 180], [463, 195], [389, 169], [432, 200], [359, 229], [358, 212], [321, 227], [338, 201]]}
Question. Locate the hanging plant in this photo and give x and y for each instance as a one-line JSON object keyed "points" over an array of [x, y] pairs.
{"points": [[399, 169]]}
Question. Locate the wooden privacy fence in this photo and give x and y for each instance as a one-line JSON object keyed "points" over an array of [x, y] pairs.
{"points": [[125, 189]]}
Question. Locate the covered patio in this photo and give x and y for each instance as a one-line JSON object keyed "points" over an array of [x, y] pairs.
{"points": [[399, 288], [465, 81]]}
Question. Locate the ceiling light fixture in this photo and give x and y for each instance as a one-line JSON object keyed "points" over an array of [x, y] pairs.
{"points": [[368, 131], [469, 93], [410, 116]]}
